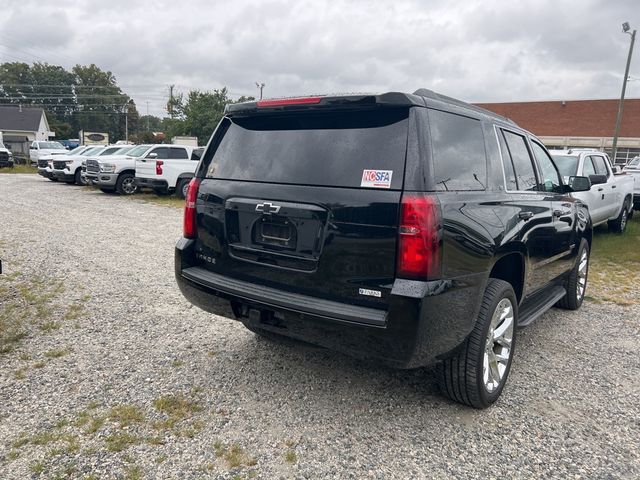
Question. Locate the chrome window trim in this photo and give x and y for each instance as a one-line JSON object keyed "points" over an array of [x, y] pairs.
{"points": [[504, 174]]}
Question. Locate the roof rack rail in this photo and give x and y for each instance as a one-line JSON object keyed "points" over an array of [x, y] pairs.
{"points": [[425, 92]]}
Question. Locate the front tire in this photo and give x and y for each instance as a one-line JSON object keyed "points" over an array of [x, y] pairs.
{"points": [[477, 373], [576, 283], [78, 178], [126, 184]]}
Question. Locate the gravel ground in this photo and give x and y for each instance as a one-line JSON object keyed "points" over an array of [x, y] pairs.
{"points": [[208, 399]]}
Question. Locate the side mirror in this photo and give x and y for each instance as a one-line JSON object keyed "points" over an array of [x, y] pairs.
{"points": [[616, 169], [31, 147], [579, 184], [597, 179], [152, 155]]}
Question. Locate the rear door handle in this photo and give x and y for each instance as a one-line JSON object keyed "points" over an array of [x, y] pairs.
{"points": [[600, 189], [525, 215], [613, 186]]}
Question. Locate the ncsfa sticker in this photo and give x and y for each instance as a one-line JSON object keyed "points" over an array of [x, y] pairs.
{"points": [[370, 293], [376, 178]]}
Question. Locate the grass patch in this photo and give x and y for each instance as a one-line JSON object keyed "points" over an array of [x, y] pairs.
{"points": [[56, 352], [614, 271], [126, 415], [177, 363], [20, 169], [24, 304], [20, 374], [118, 442], [168, 200], [177, 408], [233, 455], [290, 456], [37, 467], [133, 472], [13, 454]]}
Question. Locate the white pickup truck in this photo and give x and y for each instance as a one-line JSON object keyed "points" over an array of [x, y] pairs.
{"points": [[39, 149], [633, 169], [168, 168], [117, 172], [69, 168], [610, 198], [45, 162]]}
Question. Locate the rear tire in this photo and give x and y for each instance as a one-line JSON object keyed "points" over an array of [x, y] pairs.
{"points": [[181, 187], [619, 225], [126, 184], [477, 373], [576, 283]]}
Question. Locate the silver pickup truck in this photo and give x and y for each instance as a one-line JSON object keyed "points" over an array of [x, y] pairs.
{"points": [[611, 196], [633, 169]]}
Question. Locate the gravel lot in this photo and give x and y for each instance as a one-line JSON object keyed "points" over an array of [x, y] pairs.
{"points": [[201, 397]]}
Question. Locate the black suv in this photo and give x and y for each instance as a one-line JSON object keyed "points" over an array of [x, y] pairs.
{"points": [[411, 229]]}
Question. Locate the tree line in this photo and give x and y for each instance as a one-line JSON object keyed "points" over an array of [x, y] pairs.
{"points": [[89, 98]]}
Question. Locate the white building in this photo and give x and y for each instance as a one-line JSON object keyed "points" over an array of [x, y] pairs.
{"points": [[22, 125]]}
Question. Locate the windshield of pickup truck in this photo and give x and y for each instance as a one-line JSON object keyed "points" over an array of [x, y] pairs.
{"points": [[138, 151], [51, 146], [567, 164], [77, 150], [122, 151], [91, 151], [634, 162]]}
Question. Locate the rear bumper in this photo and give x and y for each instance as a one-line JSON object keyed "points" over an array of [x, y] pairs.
{"points": [[423, 323], [151, 183]]}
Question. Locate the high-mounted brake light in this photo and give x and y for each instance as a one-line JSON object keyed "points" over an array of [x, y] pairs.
{"points": [[289, 101], [189, 225], [159, 164], [419, 239]]}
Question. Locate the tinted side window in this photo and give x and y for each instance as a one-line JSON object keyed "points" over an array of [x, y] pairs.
{"points": [[509, 172], [459, 158], [162, 152], [178, 153], [525, 174], [588, 168], [197, 153], [550, 178], [601, 168]]}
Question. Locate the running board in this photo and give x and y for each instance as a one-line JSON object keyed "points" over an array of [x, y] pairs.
{"points": [[539, 304]]}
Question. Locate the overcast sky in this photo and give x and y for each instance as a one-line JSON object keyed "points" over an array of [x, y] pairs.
{"points": [[478, 51]]}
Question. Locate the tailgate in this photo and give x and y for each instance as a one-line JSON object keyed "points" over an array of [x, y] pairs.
{"points": [[306, 203]]}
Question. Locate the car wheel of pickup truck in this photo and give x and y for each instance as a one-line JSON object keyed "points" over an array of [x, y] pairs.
{"points": [[79, 180], [476, 374], [126, 184], [576, 283], [619, 225], [181, 188]]}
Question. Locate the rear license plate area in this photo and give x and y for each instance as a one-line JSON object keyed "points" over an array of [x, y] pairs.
{"points": [[276, 233]]}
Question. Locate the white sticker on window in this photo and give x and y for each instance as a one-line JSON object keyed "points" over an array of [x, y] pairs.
{"points": [[376, 178]]}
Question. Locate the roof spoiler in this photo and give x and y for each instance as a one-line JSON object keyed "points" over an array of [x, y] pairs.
{"points": [[323, 102]]}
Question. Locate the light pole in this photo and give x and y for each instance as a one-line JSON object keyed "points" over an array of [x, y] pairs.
{"points": [[625, 29], [260, 87]]}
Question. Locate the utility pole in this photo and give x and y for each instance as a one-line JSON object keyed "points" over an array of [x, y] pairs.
{"points": [[260, 87], [625, 29]]}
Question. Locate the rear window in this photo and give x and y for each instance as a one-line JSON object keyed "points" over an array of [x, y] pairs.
{"points": [[459, 159], [330, 149]]}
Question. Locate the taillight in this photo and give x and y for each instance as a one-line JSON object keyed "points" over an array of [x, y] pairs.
{"points": [[190, 229], [419, 237], [279, 102], [159, 164]]}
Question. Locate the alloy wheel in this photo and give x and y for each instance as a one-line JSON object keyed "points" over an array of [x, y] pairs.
{"points": [[129, 186], [497, 352], [583, 268]]}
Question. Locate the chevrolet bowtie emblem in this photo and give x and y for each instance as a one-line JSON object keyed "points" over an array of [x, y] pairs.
{"points": [[267, 208]]}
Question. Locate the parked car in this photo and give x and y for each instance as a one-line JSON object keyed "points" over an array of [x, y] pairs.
{"points": [[633, 169], [411, 229], [6, 157], [39, 149], [45, 163], [610, 199], [168, 169], [117, 173], [70, 169]]}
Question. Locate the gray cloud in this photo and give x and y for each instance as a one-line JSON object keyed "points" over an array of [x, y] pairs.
{"points": [[474, 50]]}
